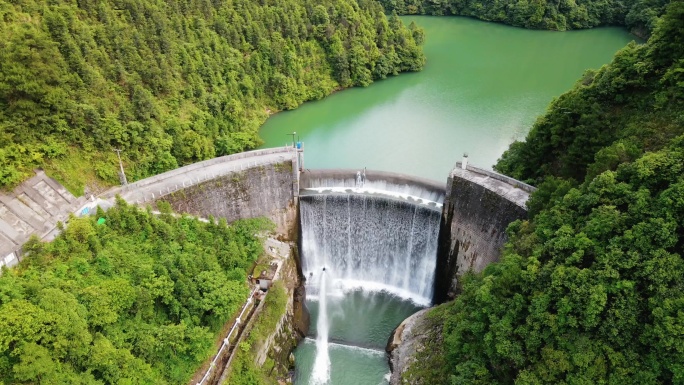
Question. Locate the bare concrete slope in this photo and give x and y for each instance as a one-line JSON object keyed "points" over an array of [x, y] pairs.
{"points": [[34, 207]]}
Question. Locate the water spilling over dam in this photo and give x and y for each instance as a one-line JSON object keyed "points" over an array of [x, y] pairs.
{"points": [[364, 242], [370, 241]]}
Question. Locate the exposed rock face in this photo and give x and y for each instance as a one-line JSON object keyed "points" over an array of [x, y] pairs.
{"points": [[406, 344]]}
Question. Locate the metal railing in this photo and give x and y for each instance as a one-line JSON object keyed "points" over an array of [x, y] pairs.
{"points": [[226, 341], [195, 166], [189, 182]]}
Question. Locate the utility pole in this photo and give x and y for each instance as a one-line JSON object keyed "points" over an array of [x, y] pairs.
{"points": [[122, 175]]}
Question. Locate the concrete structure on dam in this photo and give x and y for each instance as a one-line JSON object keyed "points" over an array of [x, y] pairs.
{"points": [[476, 205], [380, 180], [245, 185], [394, 185], [480, 204]]}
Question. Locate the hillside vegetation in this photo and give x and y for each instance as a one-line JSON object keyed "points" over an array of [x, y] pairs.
{"points": [[639, 16], [136, 300], [611, 116], [590, 290], [172, 82]]}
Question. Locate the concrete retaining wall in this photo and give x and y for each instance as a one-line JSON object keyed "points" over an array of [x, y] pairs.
{"points": [[265, 190], [478, 207], [293, 324]]}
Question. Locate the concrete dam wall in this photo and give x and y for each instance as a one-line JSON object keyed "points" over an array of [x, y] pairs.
{"points": [[479, 205], [476, 205], [265, 190], [261, 183], [400, 186]]}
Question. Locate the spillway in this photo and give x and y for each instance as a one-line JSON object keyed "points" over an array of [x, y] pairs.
{"points": [[364, 240], [369, 241]]}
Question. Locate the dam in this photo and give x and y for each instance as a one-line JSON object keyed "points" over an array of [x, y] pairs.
{"points": [[375, 247]]}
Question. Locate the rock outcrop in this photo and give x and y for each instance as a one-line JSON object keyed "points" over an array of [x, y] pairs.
{"points": [[406, 344]]}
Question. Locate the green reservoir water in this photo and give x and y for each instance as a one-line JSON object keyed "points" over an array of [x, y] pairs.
{"points": [[360, 324], [483, 86], [363, 319]]}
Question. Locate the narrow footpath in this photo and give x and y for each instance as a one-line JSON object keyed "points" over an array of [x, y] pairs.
{"points": [[217, 370]]}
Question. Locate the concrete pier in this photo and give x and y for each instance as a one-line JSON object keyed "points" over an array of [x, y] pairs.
{"points": [[479, 205]]}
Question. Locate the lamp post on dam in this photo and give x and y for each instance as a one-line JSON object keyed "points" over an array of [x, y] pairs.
{"points": [[298, 145]]}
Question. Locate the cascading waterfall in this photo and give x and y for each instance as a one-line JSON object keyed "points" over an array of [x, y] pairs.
{"points": [[321, 371], [372, 242]]}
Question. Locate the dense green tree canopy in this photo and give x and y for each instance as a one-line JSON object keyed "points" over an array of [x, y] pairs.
{"points": [[612, 115], [173, 82], [590, 290], [640, 16], [137, 300]]}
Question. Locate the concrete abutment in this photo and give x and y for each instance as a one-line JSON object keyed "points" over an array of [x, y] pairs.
{"points": [[478, 207]]}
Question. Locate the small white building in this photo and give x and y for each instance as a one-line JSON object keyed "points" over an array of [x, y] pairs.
{"points": [[265, 278]]}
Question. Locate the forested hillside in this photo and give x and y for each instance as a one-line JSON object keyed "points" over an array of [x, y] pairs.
{"points": [[590, 290], [173, 82], [611, 116], [136, 300], [639, 16]]}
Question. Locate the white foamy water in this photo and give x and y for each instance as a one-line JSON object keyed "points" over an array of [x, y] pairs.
{"points": [[333, 345], [321, 368], [430, 200], [340, 287], [368, 242]]}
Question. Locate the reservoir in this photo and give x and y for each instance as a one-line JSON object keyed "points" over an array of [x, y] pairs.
{"points": [[483, 86]]}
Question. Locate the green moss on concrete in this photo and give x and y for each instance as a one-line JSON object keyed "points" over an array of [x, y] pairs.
{"points": [[431, 368]]}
